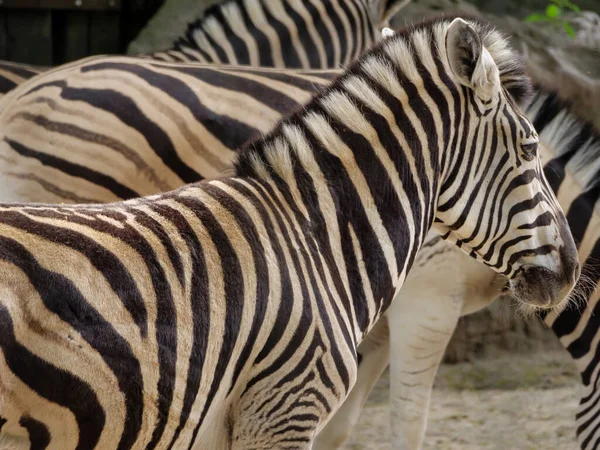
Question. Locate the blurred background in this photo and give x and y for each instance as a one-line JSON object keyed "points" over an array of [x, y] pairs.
{"points": [[492, 393]]}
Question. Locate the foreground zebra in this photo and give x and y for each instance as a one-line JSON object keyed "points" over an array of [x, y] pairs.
{"points": [[70, 136], [571, 153], [267, 33], [107, 129], [226, 314]]}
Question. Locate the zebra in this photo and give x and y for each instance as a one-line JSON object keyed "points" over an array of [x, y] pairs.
{"points": [[298, 34], [284, 33], [39, 170], [570, 150], [12, 74], [81, 168], [109, 129], [226, 314]]}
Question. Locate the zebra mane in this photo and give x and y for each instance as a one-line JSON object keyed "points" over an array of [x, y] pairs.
{"points": [[510, 63], [408, 39], [564, 134]]}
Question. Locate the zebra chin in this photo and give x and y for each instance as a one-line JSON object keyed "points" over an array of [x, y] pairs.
{"points": [[538, 287]]}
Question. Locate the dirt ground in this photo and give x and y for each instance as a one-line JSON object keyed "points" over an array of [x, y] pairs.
{"points": [[520, 402]]}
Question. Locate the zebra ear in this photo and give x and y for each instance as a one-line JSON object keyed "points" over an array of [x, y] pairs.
{"points": [[387, 32], [470, 61]]}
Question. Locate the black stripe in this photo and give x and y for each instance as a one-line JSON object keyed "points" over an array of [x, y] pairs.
{"points": [[238, 45], [75, 170], [290, 77], [129, 113], [322, 31], [6, 85], [261, 296], [221, 55], [339, 28], [303, 35], [289, 53], [272, 98], [352, 46], [39, 436], [199, 305], [234, 294], [23, 72], [265, 52]]}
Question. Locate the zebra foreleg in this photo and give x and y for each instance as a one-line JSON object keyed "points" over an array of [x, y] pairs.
{"points": [[444, 285], [418, 344]]}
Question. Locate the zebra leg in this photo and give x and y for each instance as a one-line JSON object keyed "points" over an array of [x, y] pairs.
{"points": [[418, 341], [443, 285], [374, 356]]}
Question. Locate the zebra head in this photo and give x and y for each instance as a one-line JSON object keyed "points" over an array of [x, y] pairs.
{"points": [[494, 201]]}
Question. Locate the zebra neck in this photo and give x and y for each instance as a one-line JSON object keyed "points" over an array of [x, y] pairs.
{"points": [[363, 207], [277, 33]]}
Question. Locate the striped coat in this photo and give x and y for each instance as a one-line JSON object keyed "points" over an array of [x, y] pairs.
{"points": [[226, 314], [274, 33]]}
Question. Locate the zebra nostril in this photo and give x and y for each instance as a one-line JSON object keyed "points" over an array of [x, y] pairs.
{"points": [[572, 271], [570, 265]]}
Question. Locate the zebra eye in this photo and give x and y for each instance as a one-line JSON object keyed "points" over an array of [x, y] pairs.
{"points": [[529, 150]]}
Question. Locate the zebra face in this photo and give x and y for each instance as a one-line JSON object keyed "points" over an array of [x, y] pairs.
{"points": [[495, 202]]}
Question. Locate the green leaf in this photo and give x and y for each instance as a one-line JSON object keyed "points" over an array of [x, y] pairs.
{"points": [[569, 29], [534, 17], [553, 11]]}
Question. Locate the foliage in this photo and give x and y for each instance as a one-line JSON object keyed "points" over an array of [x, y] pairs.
{"points": [[554, 14]]}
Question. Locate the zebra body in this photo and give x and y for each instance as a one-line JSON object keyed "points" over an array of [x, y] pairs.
{"points": [[107, 129], [318, 34], [226, 314], [304, 34], [570, 151], [12, 74]]}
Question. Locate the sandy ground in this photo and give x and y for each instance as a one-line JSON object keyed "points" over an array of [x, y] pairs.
{"points": [[524, 402]]}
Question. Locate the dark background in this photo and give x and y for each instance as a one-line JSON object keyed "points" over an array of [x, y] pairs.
{"points": [[52, 32]]}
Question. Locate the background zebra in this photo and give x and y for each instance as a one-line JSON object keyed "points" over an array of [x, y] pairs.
{"points": [[570, 151], [287, 303], [12, 74], [269, 33], [284, 33], [115, 128]]}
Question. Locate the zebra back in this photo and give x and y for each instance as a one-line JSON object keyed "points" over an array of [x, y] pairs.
{"points": [[283, 33], [267, 33], [112, 128], [12, 74]]}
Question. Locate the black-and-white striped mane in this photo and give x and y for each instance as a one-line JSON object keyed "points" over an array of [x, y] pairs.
{"points": [[567, 136], [510, 66]]}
